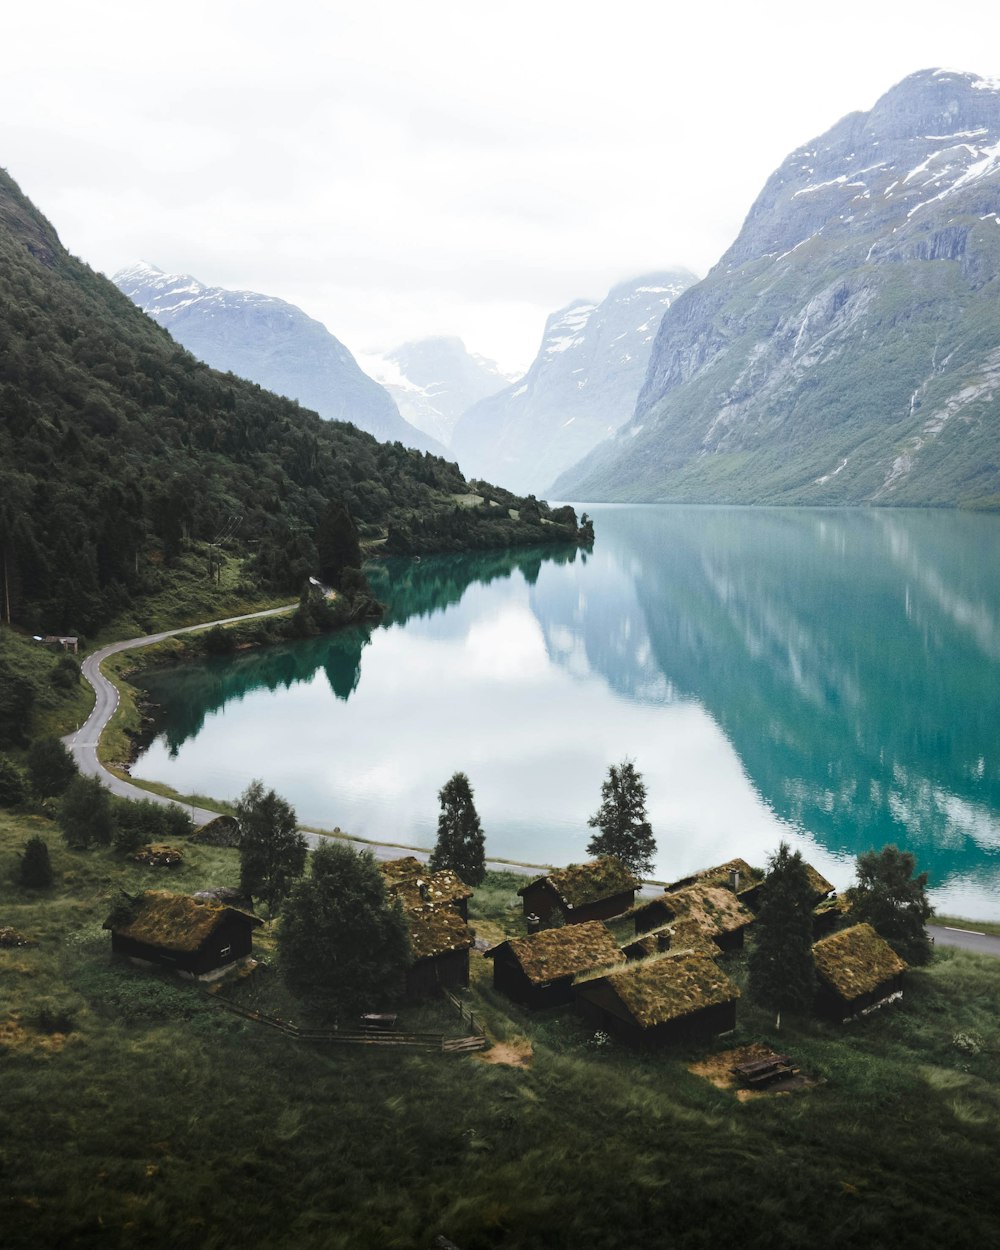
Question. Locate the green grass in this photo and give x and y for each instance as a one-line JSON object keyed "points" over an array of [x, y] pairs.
{"points": [[155, 1119]]}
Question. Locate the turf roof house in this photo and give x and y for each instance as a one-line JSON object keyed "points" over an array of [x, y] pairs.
{"points": [[413, 883], [716, 912], [596, 890], [538, 970], [669, 998], [857, 971], [436, 907], [196, 937]]}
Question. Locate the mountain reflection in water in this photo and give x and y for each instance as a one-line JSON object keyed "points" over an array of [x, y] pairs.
{"points": [[828, 676]]}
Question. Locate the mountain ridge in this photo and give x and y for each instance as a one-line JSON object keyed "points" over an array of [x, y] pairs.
{"points": [[827, 355]]}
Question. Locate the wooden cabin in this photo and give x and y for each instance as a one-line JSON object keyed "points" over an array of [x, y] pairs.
{"points": [[858, 971], [440, 939], [670, 998], [717, 912], [538, 970], [736, 875], [196, 937], [829, 913], [677, 935], [597, 890], [414, 884]]}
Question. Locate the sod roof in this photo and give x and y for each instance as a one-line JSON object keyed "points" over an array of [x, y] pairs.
{"points": [[819, 883], [414, 884], [555, 953], [667, 987], [710, 908], [580, 884], [175, 922], [856, 961], [684, 934], [750, 877], [436, 929]]}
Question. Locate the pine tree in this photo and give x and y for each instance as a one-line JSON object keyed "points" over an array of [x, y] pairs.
{"points": [[342, 943], [36, 868], [893, 901], [460, 844], [272, 850], [782, 972], [621, 818]]}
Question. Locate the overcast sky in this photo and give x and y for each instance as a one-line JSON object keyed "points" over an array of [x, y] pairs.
{"points": [[400, 168]]}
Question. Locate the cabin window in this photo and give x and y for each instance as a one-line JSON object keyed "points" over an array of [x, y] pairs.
{"points": [[225, 951]]}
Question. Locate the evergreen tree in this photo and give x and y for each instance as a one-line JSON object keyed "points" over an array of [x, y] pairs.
{"points": [[272, 850], [782, 972], [343, 945], [86, 815], [621, 818], [51, 767], [337, 543], [460, 844], [893, 901], [36, 868]]}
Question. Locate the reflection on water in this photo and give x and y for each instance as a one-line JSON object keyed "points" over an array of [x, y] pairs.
{"points": [[830, 676]]}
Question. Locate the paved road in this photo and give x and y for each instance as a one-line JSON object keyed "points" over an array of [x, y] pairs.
{"points": [[83, 743], [967, 939]]}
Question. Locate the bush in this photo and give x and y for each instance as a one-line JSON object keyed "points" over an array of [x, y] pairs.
{"points": [[85, 814], [36, 868], [13, 787], [50, 766], [65, 674]]}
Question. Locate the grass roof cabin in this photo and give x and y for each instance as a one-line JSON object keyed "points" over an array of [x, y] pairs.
{"points": [[597, 890], [735, 875], [829, 913], [678, 935], [713, 909], [414, 884], [538, 970], [196, 937], [440, 939], [857, 971], [671, 998]]}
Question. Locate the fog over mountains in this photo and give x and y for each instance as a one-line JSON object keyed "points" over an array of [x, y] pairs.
{"points": [[582, 385], [434, 380], [846, 348], [273, 343]]}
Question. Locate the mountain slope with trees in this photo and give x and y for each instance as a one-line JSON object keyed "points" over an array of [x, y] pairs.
{"points": [[120, 453], [845, 348]]}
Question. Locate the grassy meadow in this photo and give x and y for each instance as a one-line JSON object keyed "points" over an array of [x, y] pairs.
{"points": [[135, 1112]]}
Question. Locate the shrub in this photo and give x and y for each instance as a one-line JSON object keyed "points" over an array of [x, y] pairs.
{"points": [[50, 767], [13, 788], [36, 868]]}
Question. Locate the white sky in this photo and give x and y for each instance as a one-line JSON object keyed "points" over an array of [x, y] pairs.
{"points": [[400, 168]]}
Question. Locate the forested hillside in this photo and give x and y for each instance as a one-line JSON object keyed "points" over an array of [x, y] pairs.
{"points": [[118, 451]]}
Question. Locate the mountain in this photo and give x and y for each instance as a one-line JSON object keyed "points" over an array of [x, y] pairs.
{"points": [[846, 349], [582, 385], [272, 343], [127, 465], [434, 381]]}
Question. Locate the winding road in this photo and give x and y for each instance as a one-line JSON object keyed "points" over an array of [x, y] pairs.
{"points": [[83, 747]]}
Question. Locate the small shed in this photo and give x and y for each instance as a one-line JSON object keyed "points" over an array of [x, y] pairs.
{"points": [[414, 884], [717, 912], [538, 970], [597, 890], [440, 939], [829, 913], [858, 971], [196, 937], [669, 998]]}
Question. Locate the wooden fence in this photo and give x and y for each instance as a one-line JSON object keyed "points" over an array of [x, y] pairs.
{"points": [[365, 1037]]}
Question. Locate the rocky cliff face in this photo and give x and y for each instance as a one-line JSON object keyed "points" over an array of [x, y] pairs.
{"points": [[272, 343], [847, 346], [434, 381], [582, 385]]}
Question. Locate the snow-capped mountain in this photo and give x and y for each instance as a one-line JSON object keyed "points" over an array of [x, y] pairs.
{"points": [[434, 381], [847, 346], [272, 343], [582, 385]]}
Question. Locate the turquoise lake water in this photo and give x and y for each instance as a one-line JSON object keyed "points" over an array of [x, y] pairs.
{"points": [[830, 677]]}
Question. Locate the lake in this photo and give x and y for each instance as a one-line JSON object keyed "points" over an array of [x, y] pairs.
{"points": [[826, 676]]}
